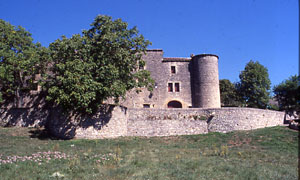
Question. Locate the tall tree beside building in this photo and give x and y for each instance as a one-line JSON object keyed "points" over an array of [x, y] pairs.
{"points": [[101, 63], [229, 95], [287, 94], [254, 85], [19, 62]]}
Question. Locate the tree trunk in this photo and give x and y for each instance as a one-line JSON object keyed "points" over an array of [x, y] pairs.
{"points": [[18, 98]]}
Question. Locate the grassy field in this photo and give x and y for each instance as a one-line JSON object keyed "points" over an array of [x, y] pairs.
{"points": [[270, 153]]}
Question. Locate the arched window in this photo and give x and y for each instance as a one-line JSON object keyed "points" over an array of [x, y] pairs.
{"points": [[174, 104]]}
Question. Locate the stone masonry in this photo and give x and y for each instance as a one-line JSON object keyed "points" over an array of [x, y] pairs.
{"points": [[116, 121], [179, 82]]}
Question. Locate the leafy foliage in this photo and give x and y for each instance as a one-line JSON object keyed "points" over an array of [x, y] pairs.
{"points": [[254, 85], [20, 60], [101, 63], [287, 94], [229, 94]]}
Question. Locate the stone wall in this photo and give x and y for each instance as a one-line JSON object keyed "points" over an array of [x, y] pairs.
{"points": [[190, 81], [23, 117], [108, 122], [205, 81], [161, 73], [115, 121], [164, 122], [232, 119]]}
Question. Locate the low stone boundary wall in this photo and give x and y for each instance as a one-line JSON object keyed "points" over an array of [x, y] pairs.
{"points": [[23, 117], [165, 122], [231, 119], [108, 122], [115, 121]]}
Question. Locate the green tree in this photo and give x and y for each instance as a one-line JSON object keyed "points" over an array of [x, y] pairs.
{"points": [[229, 95], [19, 62], [101, 63], [287, 94], [254, 85]]}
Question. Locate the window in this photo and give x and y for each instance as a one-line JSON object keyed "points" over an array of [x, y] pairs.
{"points": [[170, 87], [141, 67], [177, 87], [173, 70], [146, 105]]}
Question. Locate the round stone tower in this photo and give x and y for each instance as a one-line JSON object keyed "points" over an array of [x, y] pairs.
{"points": [[205, 81]]}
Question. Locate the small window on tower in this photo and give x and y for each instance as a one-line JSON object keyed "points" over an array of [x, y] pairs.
{"points": [[146, 105], [170, 87], [173, 69], [177, 89]]}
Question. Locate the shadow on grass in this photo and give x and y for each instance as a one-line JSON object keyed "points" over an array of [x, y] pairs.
{"points": [[42, 134]]}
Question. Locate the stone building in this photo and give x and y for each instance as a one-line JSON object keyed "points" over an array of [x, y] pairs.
{"points": [[190, 83], [179, 82]]}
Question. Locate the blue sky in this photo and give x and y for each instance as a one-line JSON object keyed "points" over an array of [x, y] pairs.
{"points": [[236, 30]]}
